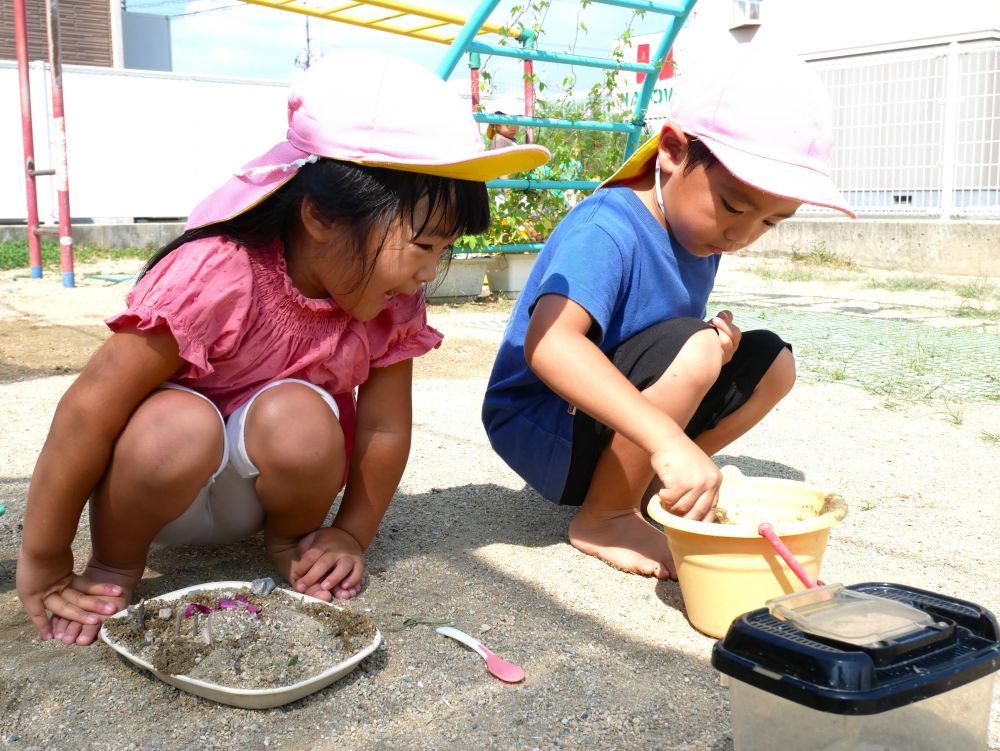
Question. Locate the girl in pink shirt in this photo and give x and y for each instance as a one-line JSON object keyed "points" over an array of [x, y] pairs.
{"points": [[265, 356]]}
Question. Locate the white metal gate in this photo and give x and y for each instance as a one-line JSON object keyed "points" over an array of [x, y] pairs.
{"points": [[917, 133]]}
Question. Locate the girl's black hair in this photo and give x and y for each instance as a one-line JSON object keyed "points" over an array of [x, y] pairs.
{"points": [[698, 153], [364, 199]]}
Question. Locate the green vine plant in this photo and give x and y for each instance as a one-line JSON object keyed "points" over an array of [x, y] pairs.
{"points": [[529, 216]]}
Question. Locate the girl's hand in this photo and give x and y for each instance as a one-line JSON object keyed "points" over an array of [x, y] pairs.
{"points": [[49, 584], [729, 333], [330, 563], [690, 481]]}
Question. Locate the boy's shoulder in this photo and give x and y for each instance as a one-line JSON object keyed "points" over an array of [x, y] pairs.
{"points": [[615, 212], [611, 208]]}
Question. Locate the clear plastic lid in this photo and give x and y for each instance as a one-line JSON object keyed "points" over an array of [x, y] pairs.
{"points": [[848, 616]]}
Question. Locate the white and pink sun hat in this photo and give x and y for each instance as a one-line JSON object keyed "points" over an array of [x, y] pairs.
{"points": [[765, 116], [375, 109]]}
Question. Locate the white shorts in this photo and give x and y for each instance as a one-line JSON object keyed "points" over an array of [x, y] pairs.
{"points": [[227, 508]]}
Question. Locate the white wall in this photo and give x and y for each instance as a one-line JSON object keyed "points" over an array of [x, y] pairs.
{"points": [[140, 143], [813, 29], [820, 26]]}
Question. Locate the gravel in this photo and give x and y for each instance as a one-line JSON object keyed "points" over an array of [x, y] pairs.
{"points": [[611, 661]]}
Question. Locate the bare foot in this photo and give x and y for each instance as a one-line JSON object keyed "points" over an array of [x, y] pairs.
{"points": [[74, 632], [625, 541]]}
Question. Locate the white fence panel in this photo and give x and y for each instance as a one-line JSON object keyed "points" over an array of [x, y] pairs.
{"points": [[917, 132], [140, 144], [977, 162]]}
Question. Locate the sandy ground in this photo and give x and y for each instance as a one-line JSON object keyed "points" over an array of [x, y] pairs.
{"points": [[611, 661]]}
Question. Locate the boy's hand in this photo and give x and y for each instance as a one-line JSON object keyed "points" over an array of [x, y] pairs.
{"points": [[690, 482], [331, 564], [729, 333], [50, 585]]}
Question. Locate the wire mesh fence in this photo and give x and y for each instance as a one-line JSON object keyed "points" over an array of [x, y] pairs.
{"points": [[917, 132], [894, 358]]}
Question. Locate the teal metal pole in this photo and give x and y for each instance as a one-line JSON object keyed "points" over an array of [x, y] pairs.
{"points": [[642, 102], [559, 57], [485, 117], [544, 184], [511, 248], [670, 9], [468, 32]]}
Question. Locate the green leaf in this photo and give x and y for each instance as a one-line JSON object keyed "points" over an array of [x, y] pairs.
{"points": [[411, 622]]}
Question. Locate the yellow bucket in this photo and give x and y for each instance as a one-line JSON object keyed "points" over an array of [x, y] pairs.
{"points": [[726, 569]]}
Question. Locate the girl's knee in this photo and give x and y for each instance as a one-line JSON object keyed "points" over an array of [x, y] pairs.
{"points": [[291, 428], [172, 438]]}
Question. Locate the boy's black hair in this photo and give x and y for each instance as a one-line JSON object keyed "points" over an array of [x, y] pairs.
{"points": [[365, 199], [698, 153]]}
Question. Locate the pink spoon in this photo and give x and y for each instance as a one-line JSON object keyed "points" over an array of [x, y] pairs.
{"points": [[508, 672], [766, 531]]}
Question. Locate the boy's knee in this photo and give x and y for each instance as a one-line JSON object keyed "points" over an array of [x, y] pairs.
{"points": [[699, 361], [782, 372], [291, 428]]}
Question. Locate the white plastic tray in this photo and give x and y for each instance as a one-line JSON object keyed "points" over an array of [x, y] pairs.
{"points": [[248, 698]]}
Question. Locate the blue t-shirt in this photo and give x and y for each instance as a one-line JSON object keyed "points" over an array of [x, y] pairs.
{"points": [[611, 257]]}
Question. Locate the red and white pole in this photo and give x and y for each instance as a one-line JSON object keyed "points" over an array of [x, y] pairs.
{"points": [[27, 137], [529, 98], [474, 79], [59, 127]]}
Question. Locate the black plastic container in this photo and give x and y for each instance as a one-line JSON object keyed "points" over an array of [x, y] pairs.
{"points": [[925, 690]]}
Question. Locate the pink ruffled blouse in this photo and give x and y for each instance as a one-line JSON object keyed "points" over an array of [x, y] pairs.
{"points": [[241, 324]]}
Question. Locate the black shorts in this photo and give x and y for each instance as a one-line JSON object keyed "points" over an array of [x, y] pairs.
{"points": [[643, 359]]}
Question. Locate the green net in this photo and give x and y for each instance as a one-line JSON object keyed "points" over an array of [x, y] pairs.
{"points": [[891, 357]]}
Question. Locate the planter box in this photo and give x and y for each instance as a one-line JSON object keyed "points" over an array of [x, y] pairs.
{"points": [[463, 278], [511, 273]]}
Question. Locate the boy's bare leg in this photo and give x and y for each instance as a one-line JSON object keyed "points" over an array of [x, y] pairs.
{"points": [[297, 443], [165, 455], [610, 524], [773, 387]]}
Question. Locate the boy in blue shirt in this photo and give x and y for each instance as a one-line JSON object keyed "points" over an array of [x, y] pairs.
{"points": [[609, 385]]}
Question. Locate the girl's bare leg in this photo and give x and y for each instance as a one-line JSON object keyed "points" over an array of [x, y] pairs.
{"points": [[162, 459], [297, 443], [609, 524]]}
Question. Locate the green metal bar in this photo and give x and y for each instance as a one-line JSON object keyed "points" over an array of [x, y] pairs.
{"points": [[547, 122], [544, 184], [670, 9], [559, 57], [511, 248], [462, 40], [648, 85]]}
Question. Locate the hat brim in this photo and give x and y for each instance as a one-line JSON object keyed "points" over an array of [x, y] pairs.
{"points": [[483, 167], [792, 181], [635, 165], [267, 173], [777, 178]]}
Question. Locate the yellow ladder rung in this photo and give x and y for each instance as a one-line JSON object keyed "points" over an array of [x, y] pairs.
{"points": [[437, 18]]}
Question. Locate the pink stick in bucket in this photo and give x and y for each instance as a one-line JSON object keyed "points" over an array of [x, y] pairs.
{"points": [[766, 531]]}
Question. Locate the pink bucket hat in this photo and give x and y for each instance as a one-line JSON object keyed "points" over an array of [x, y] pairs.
{"points": [[765, 116], [374, 109]]}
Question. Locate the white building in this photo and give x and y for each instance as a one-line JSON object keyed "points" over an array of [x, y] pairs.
{"points": [[915, 89]]}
